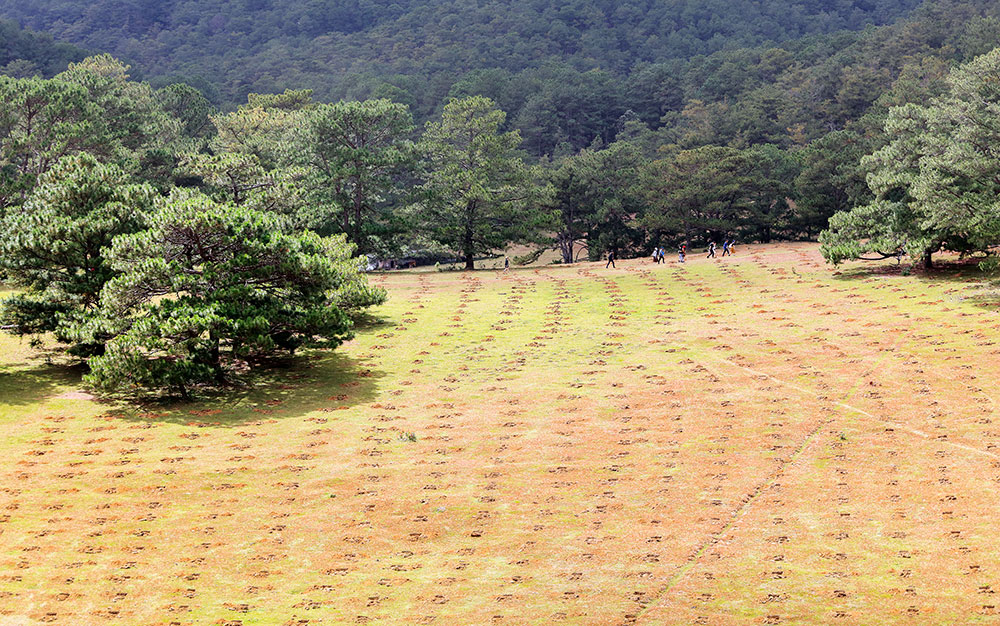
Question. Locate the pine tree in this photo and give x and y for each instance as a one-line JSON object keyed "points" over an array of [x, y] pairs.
{"points": [[479, 195], [52, 248], [209, 290]]}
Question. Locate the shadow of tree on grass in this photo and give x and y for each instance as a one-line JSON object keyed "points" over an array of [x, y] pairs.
{"points": [[946, 270], [971, 284], [32, 385], [289, 388], [366, 322]]}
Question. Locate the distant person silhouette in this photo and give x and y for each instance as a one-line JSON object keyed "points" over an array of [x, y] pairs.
{"points": [[611, 260]]}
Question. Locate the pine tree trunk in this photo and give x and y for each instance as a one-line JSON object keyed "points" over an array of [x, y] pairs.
{"points": [[566, 247], [928, 262], [358, 230], [216, 356], [469, 247]]}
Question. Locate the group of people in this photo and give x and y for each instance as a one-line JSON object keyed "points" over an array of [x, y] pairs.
{"points": [[660, 254], [727, 248]]}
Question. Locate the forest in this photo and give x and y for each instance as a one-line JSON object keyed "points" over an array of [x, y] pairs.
{"points": [[729, 73], [618, 140], [345, 48]]}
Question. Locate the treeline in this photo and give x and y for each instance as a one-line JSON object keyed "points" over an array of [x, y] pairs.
{"points": [[365, 170]]}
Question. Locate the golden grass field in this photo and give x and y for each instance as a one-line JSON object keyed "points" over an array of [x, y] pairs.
{"points": [[751, 440]]}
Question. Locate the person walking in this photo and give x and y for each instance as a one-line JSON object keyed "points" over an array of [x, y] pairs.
{"points": [[663, 255], [711, 250], [611, 260], [725, 248], [681, 252], [506, 263]]}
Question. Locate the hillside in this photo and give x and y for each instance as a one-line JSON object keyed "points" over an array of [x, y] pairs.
{"points": [[212, 413], [248, 44], [717, 73], [417, 51], [26, 53]]}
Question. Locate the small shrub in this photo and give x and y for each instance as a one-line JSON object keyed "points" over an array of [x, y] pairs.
{"points": [[990, 266]]}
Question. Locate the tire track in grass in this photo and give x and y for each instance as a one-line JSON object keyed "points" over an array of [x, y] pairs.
{"points": [[775, 475], [903, 345], [735, 517], [741, 512], [696, 292]]}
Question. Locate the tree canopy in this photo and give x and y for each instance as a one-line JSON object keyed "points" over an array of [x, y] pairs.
{"points": [[478, 195], [53, 247], [359, 154], [208, 288], [936, 183]]}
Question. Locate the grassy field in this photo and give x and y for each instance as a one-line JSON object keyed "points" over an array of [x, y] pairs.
{"points": [[752, 440]]}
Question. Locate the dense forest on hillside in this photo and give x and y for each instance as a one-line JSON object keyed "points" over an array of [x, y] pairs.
{"points": [[539, 53], [232, 41], [26, 53], [700, 73]]}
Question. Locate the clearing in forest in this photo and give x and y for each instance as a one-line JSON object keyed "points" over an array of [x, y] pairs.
{"points": [[749, 440]]}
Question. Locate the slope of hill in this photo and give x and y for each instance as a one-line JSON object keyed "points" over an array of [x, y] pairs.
{"points": [[739, 73], [260, 45], [722, 442]]}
